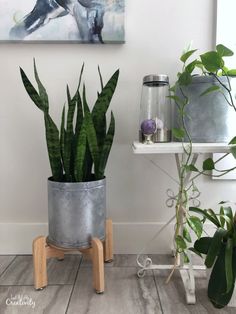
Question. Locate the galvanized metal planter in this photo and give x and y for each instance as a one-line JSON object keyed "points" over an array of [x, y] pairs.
{"points": [[208, 118], [76, 213]]}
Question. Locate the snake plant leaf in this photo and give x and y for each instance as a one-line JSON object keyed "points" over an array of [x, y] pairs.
{"points": [[62, 136], [91, 135], [228, 264], [92, 142], [80, 154], [79, 115], [69, 136], [217, 285], [205, 214], [100, 108], [32, 92], [106, 147], [53, 145], [215, 246], [196, 225], [42, 91], [80, 78], [100, 77], [202, 245]]}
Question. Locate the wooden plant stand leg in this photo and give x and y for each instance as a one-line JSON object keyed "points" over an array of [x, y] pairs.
{"points": [[98, 265], [41, 251], [40, 263], [108, 243]]}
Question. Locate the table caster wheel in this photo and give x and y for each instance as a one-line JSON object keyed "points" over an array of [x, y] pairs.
{"points": [[40, 289], [99, 292], [109, 261]]}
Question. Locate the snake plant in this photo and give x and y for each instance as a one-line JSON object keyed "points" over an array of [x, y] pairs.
{"points": [[78, 151]]}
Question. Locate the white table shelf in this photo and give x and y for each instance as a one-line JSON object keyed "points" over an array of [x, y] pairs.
{"points": [[177, 148]]}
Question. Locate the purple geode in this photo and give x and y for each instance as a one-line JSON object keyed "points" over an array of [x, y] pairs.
{"points": [[148, 127]]}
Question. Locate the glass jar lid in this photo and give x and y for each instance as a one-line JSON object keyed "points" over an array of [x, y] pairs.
{"points": [[156, 79]]}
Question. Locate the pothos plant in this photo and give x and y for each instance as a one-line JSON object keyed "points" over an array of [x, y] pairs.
{"points": [[210, 63]]}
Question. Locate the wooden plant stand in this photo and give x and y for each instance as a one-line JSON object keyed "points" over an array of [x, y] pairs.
{"points": [[99, 252]]}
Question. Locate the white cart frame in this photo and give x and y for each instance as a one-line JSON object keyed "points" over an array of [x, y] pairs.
{"points": [[186, 271]]}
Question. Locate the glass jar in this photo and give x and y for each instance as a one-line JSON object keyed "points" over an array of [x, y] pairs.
{"points": [[155, 110]]}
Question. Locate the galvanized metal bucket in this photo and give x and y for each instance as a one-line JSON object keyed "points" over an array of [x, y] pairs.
{"points": [[76, 213], [208, 118]]}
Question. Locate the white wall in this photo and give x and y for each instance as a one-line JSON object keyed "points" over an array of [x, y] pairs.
{"points": [[156, 32]]}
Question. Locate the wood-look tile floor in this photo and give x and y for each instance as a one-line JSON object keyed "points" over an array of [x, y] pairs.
{"points": [[70, 289]]}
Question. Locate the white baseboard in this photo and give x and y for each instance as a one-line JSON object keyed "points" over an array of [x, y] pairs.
{"points": [[129, 238]]}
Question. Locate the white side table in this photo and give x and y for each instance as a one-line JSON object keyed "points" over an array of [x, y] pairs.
{"points": [[176, 148]]}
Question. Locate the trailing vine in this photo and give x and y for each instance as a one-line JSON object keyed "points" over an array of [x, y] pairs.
{"points": [[209, 63]]}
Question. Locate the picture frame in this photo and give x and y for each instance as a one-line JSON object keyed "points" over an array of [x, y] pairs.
{"points": [[79, 21]]}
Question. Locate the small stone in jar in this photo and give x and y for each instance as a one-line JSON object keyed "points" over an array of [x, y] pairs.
{"points": [[148, 126]]}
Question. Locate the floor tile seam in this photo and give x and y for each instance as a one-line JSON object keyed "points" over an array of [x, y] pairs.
{"points": [[73, 287], [8, 266], [159, 298], [32, 285]]}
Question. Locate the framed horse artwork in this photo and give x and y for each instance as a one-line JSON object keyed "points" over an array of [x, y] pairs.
{"points": [[83, 21]]}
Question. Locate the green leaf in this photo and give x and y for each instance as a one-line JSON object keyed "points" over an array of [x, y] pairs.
{"points": [[217, 284], [191, 66], [231, 72], [178, 133], [68, 150], [181, 244], [233, 151], [101, 106], [205, 214], [196, 225], [213, 214], [186, 258], [62, 136], [42, 91], [186, 55], [32, 92], [79, 115], [100, 77], [191, 168], [224, 51], [172, 89], [185, 78], [80, 153], [211, 89], [208, 164], [214, 247], [202, 245], [106, 147], [212, 61], [192, 249], [53, 145], [177, 99], [228, 264], [233, 141], [186, 235], [92, 141]]}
